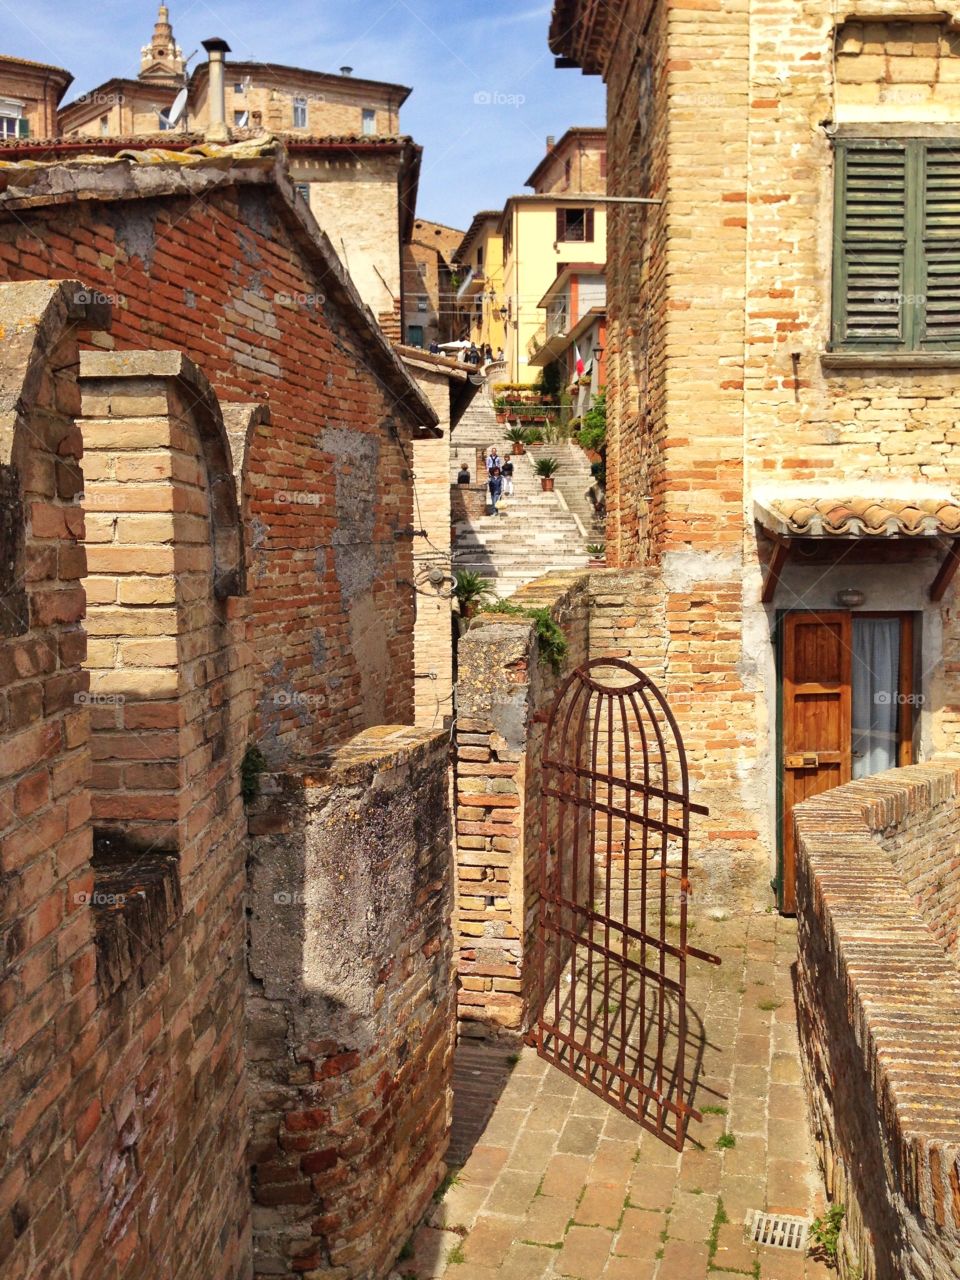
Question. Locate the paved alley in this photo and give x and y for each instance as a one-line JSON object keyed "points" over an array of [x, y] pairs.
{"points": [[561, 1184]]}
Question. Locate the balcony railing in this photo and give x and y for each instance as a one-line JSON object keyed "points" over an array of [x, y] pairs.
{"points": [[472, 283]]}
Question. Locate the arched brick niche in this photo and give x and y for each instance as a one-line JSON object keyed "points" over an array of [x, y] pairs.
{"points": [[165, 563]]}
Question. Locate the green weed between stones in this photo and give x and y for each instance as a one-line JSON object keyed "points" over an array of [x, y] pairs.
{"points": [[714, 1110], [456, 1256], [251, 767], [719, 1219], [551, 642], [726, 1141], [451, 1179], [825, 1231]]}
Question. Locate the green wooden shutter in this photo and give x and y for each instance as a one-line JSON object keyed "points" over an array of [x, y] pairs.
{"points": [[940, 278], [871, 238]]}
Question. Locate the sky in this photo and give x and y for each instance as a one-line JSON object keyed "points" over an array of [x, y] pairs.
{"points": [[485, 91]]}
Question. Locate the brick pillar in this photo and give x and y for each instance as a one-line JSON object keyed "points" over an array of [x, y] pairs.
{"points": [[351, 1011]]}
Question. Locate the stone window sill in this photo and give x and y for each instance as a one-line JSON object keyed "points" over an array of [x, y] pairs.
{"points": [[890, 359]]}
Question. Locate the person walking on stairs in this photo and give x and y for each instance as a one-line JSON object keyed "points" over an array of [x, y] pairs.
{"points": [[506, 471], [495, 485]]}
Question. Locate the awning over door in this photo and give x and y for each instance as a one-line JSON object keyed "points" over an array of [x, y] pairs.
{"points": [[805, 517]]}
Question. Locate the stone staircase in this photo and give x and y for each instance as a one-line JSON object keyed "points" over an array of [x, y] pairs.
{"points": [[537, 532], [575, 481]]}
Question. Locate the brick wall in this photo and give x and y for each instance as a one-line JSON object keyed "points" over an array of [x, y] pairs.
{"points": [[123, 955], [233, 278], [351, 1011], [502, 686], [879, 1000]]}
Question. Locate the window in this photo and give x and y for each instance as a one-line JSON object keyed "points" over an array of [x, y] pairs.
{"points": [[105, 125], [163, 117], [480, 258], [241, 119], [12, 123], [896, 271], [603, 164], [574, 226], [415, 335], [299, 113], [369, 121], [567, 171], [421, 304], [238, 88]]}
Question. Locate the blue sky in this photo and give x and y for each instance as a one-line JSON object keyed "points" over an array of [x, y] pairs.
{"points": [[485, 91]]}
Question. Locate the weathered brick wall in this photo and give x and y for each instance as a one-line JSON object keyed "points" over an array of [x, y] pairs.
{"points": [[502, 688], [352, 1010], [234, 280], [122, 1108], [879, 1000], [433, 640]]}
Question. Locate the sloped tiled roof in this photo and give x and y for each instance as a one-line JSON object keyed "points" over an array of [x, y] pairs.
{"points": [[871, 516]]}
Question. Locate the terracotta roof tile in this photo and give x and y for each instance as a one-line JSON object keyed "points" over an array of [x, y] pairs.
{"points": [[869, 516]]}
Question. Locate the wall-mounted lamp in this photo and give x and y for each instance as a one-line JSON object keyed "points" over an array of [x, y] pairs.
{"points": [[598, 354], [850, 598], [503, 313]]}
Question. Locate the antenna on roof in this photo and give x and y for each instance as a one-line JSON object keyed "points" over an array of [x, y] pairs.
{"points": [[177, 108]]}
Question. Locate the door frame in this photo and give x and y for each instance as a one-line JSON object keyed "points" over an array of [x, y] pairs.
{"points": [[906, 726]]}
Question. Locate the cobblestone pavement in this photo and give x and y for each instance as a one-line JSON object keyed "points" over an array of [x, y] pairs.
{"points": [[561, 1184]]}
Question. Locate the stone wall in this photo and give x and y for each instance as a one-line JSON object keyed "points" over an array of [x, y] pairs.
{"points": [[502, 689], [238, 278], [504, 694], [879, 1000], [122, 1107], [352, 1008]]}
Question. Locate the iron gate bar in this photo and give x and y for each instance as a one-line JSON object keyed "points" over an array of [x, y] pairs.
{"points": [[588, 914], [586, 831], [626, 783], [675, 1108], [617, 812]]}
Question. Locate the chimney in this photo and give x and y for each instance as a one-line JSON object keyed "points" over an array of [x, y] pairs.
{"points": [[217, 130], [551, 141], [346, 71]]}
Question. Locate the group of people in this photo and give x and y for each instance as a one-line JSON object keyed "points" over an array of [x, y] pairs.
{"points": [[499, 477], [473, 354]]}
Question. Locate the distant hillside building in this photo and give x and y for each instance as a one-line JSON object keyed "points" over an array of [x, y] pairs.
{"points": [[29, 95], [356, 171]]}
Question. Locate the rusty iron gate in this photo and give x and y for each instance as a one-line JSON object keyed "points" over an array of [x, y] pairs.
{"points": [[612, 944]]}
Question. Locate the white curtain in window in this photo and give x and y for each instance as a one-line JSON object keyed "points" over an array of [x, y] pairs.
{"points": [[876, 694]]}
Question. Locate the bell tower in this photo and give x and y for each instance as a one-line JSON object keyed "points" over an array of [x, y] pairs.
{"points": [[162, 58]]}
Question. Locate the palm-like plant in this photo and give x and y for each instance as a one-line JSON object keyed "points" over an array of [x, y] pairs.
{"points": [[472, 589], [547, 468]]}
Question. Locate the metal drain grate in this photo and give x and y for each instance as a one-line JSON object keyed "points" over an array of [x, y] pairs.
{"points": [[777, 1230]]}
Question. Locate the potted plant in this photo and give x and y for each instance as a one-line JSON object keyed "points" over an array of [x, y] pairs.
{"points": [[597, 551], [518, 438], [500, 409], [546, 469], [472, 590]]}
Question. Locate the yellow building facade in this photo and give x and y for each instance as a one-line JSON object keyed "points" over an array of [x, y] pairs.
{"points": [[540, 235], [480, 297]]}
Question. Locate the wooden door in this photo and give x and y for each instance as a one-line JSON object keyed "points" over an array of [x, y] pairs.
{"points": [[817, 733]]}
